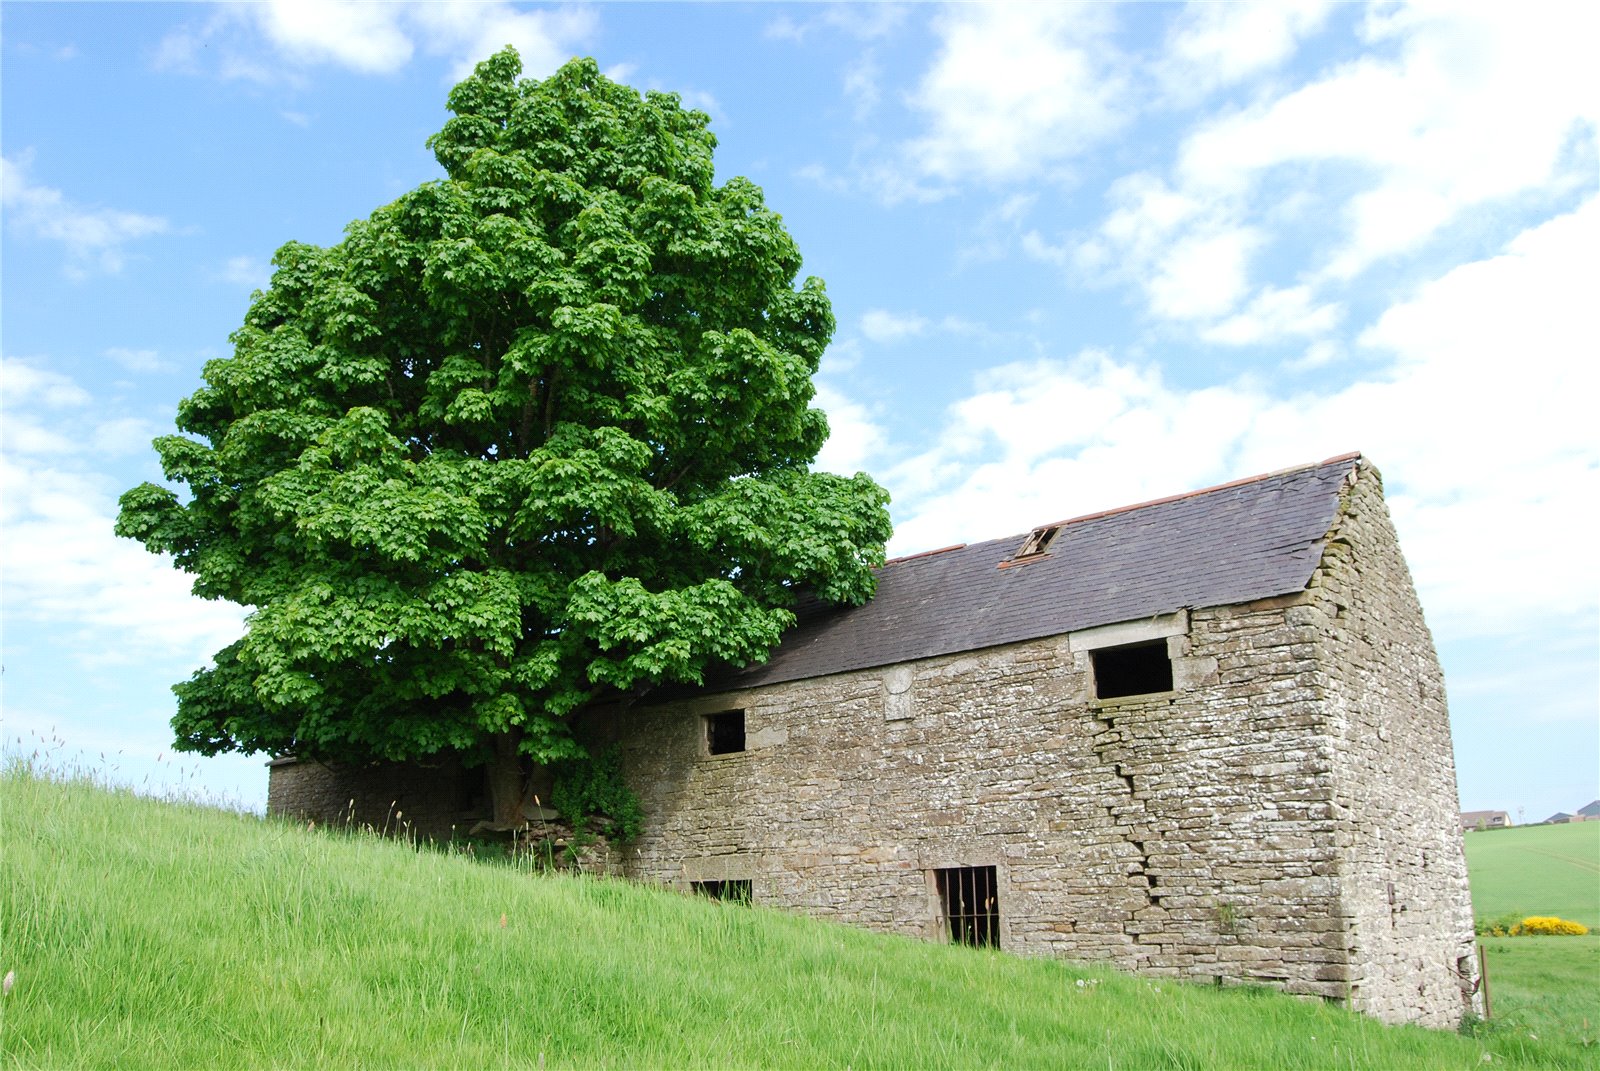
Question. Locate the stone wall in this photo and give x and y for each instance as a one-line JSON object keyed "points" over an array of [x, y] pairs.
{"points": [[1285, 814], [439, 800], [1405, 895], [431, 800], [1186, 833]]}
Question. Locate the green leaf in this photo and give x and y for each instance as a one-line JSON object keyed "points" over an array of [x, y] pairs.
{"points": [[529, 437]]}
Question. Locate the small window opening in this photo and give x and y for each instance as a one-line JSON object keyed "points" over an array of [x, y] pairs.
{"points": [[1137, 669], [725, 732], [970, 901], [734, 891], [1037, 543]]}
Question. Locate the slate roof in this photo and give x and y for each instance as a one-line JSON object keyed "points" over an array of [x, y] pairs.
{"points": [[1245, 540], [1591, 810]]}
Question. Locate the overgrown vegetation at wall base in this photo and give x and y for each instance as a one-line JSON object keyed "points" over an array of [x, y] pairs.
{"points": [[594, 786], [145, 934]]}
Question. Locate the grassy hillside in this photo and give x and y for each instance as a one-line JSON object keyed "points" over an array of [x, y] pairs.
{"points": [[1537, 870], [1543, 986], [145, 934]]}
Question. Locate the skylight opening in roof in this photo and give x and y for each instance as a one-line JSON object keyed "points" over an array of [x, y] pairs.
{"points": [[1037, 543]]}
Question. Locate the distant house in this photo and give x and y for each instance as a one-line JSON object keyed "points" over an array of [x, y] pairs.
{"points": [[1563, 818], [1591, 811], [1484, 820], [1203, 737]]}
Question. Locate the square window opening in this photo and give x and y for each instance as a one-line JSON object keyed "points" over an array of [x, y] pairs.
{"points": [[1137, 669], [733, 891], [970, 901], [725, 732]]}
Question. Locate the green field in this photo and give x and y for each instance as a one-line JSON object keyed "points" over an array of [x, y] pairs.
{"points": [[149, 934], [1537, 870], [1544, 987]]}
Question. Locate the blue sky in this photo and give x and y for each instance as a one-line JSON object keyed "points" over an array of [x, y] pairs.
{"points": [[1080, 257]]}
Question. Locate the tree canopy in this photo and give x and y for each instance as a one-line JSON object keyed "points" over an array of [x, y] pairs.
{"points": [[532, 434]]}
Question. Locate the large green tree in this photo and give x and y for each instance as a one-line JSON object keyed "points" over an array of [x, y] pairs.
{"points": [[530, 436]]}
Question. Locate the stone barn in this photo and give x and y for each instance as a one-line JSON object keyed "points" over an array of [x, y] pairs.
{"points": [[1202, 737]]}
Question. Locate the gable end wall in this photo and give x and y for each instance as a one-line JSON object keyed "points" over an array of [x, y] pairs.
{"points": [[1406, 897]]}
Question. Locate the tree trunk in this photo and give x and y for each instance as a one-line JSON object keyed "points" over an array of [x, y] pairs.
{"points": [[505, 780]]}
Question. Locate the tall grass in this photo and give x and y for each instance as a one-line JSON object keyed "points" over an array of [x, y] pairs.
{"points": [[151, 934]]}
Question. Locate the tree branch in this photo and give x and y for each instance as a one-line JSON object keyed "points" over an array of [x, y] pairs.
{"points": [[550, 400], [670, 484]]}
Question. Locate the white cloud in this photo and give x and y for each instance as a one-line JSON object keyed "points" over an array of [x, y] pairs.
{"points": [[885, 327], [854, 438], [31, 438], [251, 273], [783, 28], [861, 85], [64, 567], [1319, 354], [123, 436], [892, 183], [362, 37], [824, 179], [23, 383], [471, 31], [180, 49], [94, 237], [1480, 420], [50, 419], [138, 360], [1190, 257], [1212, 45], [1203, 274], [702, 100], [1449, 110], [1091, 255], [1274, 314], [1479, 103], [1016, 90], [372, 38], [864, 22], [996, 233], [1148, 214]]}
